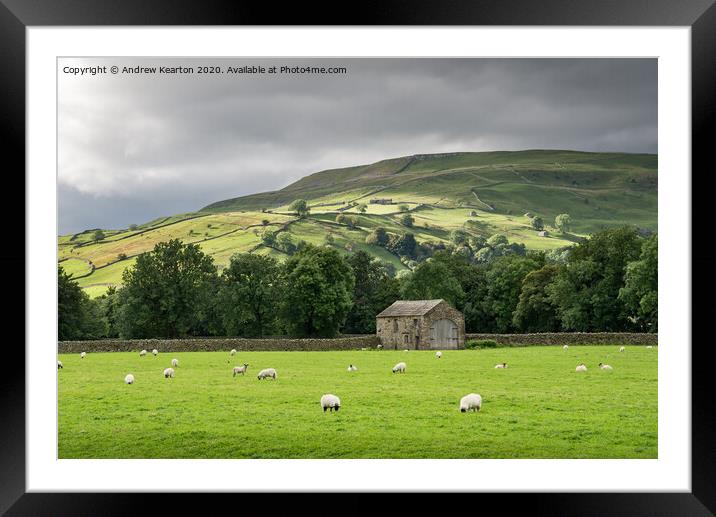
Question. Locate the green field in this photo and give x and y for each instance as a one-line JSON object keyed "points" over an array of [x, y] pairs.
{"points": [[538, 407], [442, 191]]}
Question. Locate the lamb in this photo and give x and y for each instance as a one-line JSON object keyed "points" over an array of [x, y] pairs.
{"points": [[565, 347], [400, 367], [331, 402], [59, 365], [142, 353], [605, 366], [621, 349], [233, 352], [175, 362], [169, 372], [155, 352], [438, 354], [471, 402], [501, 365], [268, 372], [129, 379], [352, 368], [82, 355], [580, 368], [240, 369]]}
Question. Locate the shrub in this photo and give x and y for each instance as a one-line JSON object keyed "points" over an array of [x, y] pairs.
{"points": [[480, 343]]}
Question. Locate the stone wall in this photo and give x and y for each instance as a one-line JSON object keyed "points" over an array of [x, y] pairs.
{"points": [[217, 344], [571, 338]]}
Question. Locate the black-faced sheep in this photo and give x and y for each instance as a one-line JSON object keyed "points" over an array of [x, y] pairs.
{"points": [[438, 354], [331, 402], [169, 372], [129, 379], [580, 368], [605, 366], [400, 367], [471, 402], [267, 373], [175, 363], [59, 365], [240, 369]]}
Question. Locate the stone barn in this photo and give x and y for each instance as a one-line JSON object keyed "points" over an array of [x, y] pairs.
{"points": [[420, 325]]}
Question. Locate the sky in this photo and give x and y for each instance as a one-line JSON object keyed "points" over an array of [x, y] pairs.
{"points": [[134, 147]]}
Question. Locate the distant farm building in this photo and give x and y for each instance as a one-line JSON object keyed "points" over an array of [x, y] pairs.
{"points": [[543, 233], [420, 325], [381, 201]]}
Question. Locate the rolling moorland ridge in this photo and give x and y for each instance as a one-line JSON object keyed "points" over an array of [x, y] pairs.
{"points": [[481, 193]]}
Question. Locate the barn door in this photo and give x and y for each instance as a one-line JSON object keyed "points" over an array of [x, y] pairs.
{"points": [[443, 333]]}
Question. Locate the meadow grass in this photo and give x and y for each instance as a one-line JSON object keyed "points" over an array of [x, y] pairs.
{"points": [[538, 407]]}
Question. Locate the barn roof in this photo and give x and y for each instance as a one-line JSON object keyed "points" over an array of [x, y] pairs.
{"points": [[409, 308]]}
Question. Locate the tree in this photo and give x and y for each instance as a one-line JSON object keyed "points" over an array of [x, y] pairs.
{"points": [[362, 208], [504, 282], [431, 280], [317, 292], [78, 317], [535, 312], [329, 240], [496, 240], [407, 220], [300, 206], [98, 235], [563, 222], [249, 295], [268, 238], [641, 282], [132, 226], [403, 207], [537, 223], [284, 242], [168, 292], [459, 237], [378, 237]]}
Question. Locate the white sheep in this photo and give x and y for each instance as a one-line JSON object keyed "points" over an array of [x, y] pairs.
{"points": [[580, 368], [175, 362], [268, 372], [169, 372], [82, 355], [438, 354], [352, 368], [59, 365], [233, 352], [400, 367], [129, 379], [605, 366], [380, 347], [501, 365], [240, 369], [471, 402], [331, 402], [565, 347], [405, 350], [155, 352], [649, 346], [621, 349], [142, 353]]}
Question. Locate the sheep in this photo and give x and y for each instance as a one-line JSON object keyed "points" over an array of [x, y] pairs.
{"points": [[471, 402], [233, 352], [142, 353], [59, 365], [169, 372], [501, 365], [175, 363], [240, 369], [400, 367], [380, 347], [268, 372], [438, 354], [331, 402], [405, 350], [82, 355], [129, 379], [649, 346], [155, 352], [352, 368], [565, 347], [621, 349], [580, 368], [605, 366]]}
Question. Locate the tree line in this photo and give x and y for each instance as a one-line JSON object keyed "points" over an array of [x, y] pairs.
{"points": [[605, 283]]}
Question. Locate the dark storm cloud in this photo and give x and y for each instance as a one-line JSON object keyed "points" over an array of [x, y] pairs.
{"points": [[135, 147]]}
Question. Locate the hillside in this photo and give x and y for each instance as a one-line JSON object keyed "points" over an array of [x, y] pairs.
{"points": [[482, 193]]}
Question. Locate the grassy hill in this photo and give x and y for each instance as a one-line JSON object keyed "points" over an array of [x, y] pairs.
{"points": [[483, 193]]}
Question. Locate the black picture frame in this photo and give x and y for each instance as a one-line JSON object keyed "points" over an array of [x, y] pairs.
{"points": [[700, 15]]}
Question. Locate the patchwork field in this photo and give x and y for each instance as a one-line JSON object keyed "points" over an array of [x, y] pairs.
{"points": [[538, 407]]}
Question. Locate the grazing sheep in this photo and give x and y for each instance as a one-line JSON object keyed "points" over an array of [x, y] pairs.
{"points": [[142, 353], [438, 354], [129, 379], [380, 347], [400, 367], [175, 362], [82, 355], [233, 352], [501, 365], [169, 372], [580, 368], [268, 372], [405, 350], [59, 365], [471, 402], [155, 352], [622, 349], [331, 402], [565, 347], [241, 369], [352, 368], [605, 366], [649, 346]]}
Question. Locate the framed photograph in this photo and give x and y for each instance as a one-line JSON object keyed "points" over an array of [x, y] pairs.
{"points": [[413, 252]]}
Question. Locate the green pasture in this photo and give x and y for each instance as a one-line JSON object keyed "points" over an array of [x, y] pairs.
{"points": [[538, 407]]}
